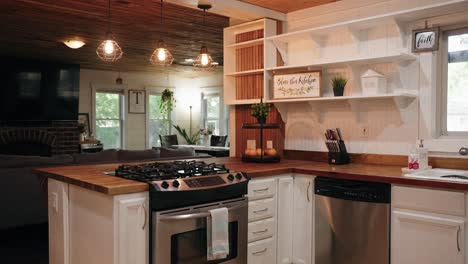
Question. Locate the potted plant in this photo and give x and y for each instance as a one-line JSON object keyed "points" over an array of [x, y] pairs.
{"points": [[338, 84], [260, 111], [191, 139], [166, 105]]}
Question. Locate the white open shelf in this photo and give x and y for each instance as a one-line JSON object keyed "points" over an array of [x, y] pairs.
{"points": [[398, 18], [246, 44], [343, 98], [352, 61], [243, 102], [243, 73]]}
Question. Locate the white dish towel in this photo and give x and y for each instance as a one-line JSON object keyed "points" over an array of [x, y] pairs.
{"points": [[217, 228]]}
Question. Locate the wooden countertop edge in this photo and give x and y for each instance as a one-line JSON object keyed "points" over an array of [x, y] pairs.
{"points": [[124, 186]]}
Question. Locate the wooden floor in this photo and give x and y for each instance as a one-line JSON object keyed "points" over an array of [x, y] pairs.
{"points": [[24, 245]]}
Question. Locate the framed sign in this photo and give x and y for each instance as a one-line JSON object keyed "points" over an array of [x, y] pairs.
{"points": [[136, 102], [296, 85], [425, 40]]}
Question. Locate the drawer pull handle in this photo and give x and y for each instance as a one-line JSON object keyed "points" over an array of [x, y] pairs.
{"points": [[261, 211], [261, 190], [260, 232], [458, 239], [145, 216], [260, 252], [308, 187]]}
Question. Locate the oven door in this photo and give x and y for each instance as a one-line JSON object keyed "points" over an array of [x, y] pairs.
{"points": [[179, 235]]}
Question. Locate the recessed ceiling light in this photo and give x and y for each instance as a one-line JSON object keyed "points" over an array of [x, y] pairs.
{"points": [[189, 60], [215, 63], [74, 43]]}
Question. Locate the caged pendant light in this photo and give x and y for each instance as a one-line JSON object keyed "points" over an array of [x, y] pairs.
{"points": [[109, 50], [161, 55], [204, 59]]}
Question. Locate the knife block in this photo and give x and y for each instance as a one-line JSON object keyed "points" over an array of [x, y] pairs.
{"points": [[339, 158]]}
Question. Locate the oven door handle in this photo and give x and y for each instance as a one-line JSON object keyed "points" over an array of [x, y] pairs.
{"points": [[196, 215]]}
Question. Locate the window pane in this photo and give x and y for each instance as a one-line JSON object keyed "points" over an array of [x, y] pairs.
{"points": [[157, 127], [108, 132], [457, 78], [213, 125], [107, 106], [212, 106], [154, 101]]}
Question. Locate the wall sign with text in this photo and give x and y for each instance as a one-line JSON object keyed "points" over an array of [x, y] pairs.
{"points": [[136, 102], [425, 40], [296, 85]]}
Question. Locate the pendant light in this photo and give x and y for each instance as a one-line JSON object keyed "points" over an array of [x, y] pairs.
{"points": [[161, 55], [204, 59], [109, 50]]}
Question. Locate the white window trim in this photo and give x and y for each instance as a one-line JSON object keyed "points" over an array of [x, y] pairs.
{"points": [[224, 111], [442, 102], [429, 128], [154, 90], [112, 88]]}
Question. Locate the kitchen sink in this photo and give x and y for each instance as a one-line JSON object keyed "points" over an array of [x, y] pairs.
{"points": [[441, 174]]}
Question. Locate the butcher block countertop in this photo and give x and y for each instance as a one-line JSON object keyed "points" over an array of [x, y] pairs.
{"points": [[92, 177]]}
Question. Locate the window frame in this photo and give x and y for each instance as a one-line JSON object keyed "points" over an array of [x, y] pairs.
{"points": [[204, 107], [442, 94], [111, 88]]}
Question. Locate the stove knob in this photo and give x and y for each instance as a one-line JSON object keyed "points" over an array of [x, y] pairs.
{"points": [[164, 184], [239, 176], [176, 183], [230, 177]]}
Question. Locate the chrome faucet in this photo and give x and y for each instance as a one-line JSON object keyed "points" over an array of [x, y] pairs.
{"points": [[463, 151]]}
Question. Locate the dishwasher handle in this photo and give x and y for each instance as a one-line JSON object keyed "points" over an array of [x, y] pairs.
{"points": [[373, 192]]}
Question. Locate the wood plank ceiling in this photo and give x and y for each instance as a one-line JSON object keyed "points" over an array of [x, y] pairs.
{"points": [[36, 29], [287, 6]]}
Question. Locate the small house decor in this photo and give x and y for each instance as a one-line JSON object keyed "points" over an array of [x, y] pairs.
{"points": [[296, 85], [260, 111], [425, 40], [338, 84], [373, 83]]}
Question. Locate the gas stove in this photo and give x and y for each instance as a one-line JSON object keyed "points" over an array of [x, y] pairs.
{"points": [[183, 183]]}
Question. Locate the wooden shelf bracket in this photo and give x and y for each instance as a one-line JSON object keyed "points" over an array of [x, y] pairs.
{"points": [[282, 48]]}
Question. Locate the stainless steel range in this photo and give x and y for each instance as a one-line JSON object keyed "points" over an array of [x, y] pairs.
{"points": [[181, 195]]}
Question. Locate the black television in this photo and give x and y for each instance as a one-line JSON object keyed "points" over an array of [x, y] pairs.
{"points": [[38, 91]]}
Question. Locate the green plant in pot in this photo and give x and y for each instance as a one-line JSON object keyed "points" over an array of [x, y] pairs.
{"points": [[338, 84], [260, 111], [167, 103], [191, 139]]}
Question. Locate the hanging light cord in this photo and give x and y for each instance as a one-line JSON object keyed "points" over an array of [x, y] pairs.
{"points": [[161, 13], [109, 17]]}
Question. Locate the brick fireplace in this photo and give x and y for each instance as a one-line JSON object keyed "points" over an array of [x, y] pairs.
{"points": [[39, 138]]}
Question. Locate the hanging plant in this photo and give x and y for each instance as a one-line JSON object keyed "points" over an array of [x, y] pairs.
{"points": [[167, 103]]}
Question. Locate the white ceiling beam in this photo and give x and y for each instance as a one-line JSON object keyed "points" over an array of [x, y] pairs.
{"points": [[235, 9]]}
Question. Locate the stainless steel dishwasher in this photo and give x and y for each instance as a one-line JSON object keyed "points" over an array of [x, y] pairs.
{"points": [[352, 222]]}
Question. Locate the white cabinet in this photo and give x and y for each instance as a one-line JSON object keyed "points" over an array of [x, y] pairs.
{"points": [[421, 238], [428, 226], [262, 251], [93, 228], [303, 219], [285, 220]]}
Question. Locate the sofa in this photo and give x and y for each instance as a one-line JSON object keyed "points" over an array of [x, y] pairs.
{"points": [[24, 202]]}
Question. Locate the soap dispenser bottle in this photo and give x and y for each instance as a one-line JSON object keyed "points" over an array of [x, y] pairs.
{"points": [[423, 155]]}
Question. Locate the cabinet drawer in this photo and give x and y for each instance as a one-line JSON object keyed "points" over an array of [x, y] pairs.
{"points": [[262, 252], [262, 209], [259, 189], [261, 229], [423, 199]]}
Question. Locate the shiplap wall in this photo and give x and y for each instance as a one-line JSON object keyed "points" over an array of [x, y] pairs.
{"points": [[391, 131]]}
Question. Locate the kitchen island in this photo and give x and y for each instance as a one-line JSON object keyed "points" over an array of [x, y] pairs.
{"points": [[99, 218]]}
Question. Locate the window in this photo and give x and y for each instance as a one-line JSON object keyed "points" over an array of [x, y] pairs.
{"points": [[109, 119], [454, 105], [158, 124], [211, 104]]}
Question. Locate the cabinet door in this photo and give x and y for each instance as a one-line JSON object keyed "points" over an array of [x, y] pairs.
{"points": [[285, 220], [58, 222], [423, 238], [302, 220], [131, 222]]}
